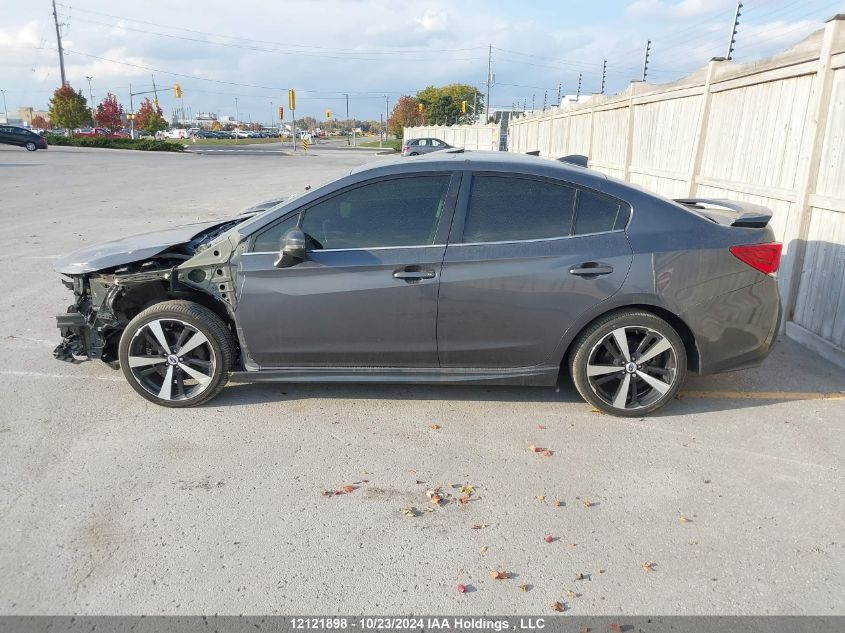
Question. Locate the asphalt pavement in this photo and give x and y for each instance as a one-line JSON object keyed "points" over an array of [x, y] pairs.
{"points": [[729, 500]]}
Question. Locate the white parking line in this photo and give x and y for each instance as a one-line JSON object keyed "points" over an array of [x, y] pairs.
{"points": [[38, 374]]}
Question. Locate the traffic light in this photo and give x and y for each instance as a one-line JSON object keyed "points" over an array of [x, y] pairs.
{"points": [[292, 99], [464, 106], [281, 113], [328, 114], [177, 91]]}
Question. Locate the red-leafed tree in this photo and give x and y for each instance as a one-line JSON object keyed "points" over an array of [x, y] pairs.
{"points": [[109, 114], [405, 114], [39, 123], [149, 118]]}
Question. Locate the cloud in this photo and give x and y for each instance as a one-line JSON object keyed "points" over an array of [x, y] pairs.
{"points": [[433, 21], [683, 9]]}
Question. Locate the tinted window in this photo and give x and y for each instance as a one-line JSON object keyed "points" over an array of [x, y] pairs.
{"points": [[597, 213], [268, 241], [503, 209], [395, 212]]}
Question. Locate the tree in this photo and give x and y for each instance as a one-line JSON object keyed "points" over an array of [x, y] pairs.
{"points": [[69, 109], [149, 118], [39, 122], [109, 114], [215, 126], [404, 114], [443, 105]]}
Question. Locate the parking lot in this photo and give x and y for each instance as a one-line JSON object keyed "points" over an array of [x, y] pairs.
{"points": [[729, 500]]}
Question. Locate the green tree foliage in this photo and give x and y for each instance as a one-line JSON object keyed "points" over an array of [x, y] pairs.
{"points": [[443, 105], [109, 114], [149, 118], [405, 114], [69, 109]]}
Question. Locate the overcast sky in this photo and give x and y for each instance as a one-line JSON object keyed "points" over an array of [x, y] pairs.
{"points": [[254, 50]]}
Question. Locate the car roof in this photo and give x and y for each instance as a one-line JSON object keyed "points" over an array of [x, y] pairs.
{"points": [[466, 160]]}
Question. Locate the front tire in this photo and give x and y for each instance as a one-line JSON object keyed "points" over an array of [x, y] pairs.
{"points": [[30, 146], [628, 363], [177, 354]]}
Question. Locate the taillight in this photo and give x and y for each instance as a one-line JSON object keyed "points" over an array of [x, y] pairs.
{"points": [[763, 257]]}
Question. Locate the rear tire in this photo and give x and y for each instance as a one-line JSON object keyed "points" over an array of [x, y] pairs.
{"points": [[628, 363], [414, 154], [177, 354]]}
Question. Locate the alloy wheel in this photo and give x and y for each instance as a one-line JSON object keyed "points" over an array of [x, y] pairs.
{"points": [[171, 359], [632, 367]]}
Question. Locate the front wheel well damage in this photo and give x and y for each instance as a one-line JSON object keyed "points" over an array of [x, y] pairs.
{"points": [[683, 330]]}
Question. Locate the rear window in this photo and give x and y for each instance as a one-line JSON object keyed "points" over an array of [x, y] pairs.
{"points": [[503, 208]]}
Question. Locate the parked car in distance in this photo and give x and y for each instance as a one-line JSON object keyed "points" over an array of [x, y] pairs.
{"points": [[21, 137], [206, 134], [417, 146], [463, 267]]}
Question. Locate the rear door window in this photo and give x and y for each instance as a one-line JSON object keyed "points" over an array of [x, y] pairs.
{"points": [[508, 208]]}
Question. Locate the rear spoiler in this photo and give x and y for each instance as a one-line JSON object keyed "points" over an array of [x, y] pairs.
{"points": [[730, 212]]}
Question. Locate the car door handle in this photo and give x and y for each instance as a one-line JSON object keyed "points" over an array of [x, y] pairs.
{"points": [[591, 269], [413, 275]]}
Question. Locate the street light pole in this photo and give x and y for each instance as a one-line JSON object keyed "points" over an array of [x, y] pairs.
{"points": [[237, 121], [91, 95]]}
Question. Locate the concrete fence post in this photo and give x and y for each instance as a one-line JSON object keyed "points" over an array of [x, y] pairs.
{"points": [[798, 228], [701, 128]]}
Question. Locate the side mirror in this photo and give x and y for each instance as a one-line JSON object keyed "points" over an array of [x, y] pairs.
{"points": [[291, 249]]}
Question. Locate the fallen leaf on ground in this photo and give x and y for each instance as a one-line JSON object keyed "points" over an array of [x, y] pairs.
{"points": [[557, 503], [479, 526], [463, 499], [648, 566], [429, 509], [535, 449], [435, 499], [615, 628], [547, 453], [434, 427], [601, 571], [462, 588], [595, 410], [571, 594], [499, 575], [523, 588], [684, 519], [468, 489], [348, 488], [580, 577], [559, 607], [484, 549], [587, 503], [549, 538], [327, 493], [541, 497], [541, 427], [409, 511]]}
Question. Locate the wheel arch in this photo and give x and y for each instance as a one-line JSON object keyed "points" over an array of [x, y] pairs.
{"points": [[680, 326], [138, 297]]}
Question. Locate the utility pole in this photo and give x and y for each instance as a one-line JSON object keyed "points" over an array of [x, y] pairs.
{"points": [[733, 31], [90, 94], [645, 63], [386, 116], [348, 142], [474, 104], [132, 115], [5, 109], [578, 93], [603, 75], [489, 79], [59, 42], [237, 121]]}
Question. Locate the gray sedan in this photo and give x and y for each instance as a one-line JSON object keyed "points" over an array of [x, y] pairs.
{"points": [[458, 267], [417, 146]]}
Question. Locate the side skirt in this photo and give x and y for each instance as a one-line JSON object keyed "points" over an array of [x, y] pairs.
{"points": [[526, 376]]}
